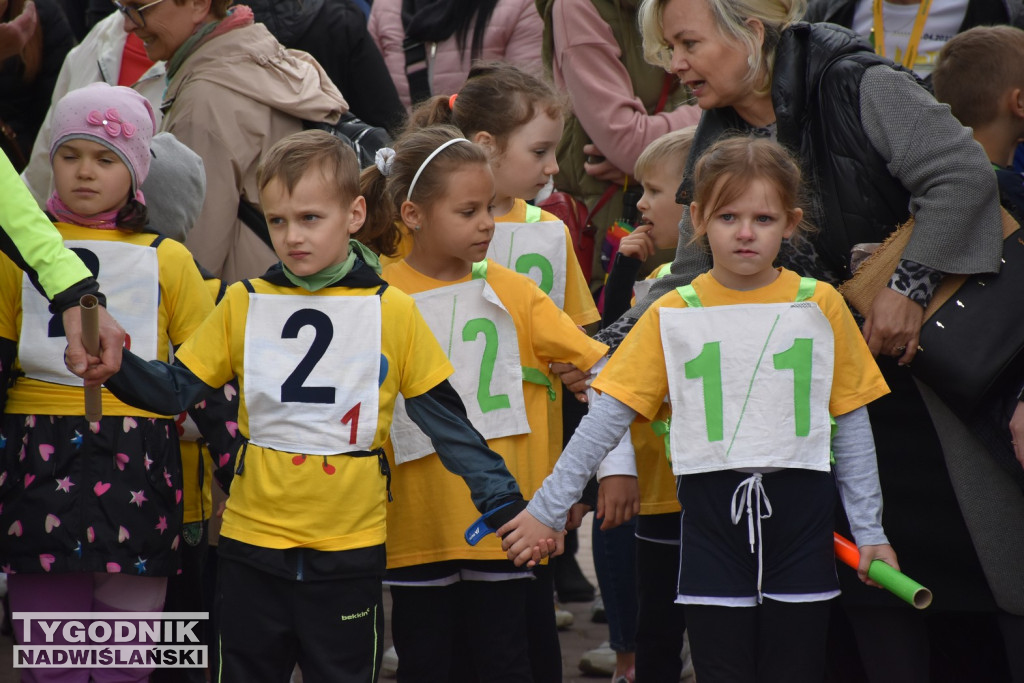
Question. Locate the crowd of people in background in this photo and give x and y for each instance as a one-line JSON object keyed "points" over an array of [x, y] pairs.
{"points": [[548, 293]]}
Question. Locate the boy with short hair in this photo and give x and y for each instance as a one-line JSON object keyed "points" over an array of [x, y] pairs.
{"points": [[321, 346], [980, 75]]}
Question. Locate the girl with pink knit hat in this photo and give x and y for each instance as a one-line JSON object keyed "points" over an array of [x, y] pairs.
{"points": [[90, 512]]}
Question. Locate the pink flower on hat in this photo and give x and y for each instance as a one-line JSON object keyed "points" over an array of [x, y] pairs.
{"points": [[111, 122]]}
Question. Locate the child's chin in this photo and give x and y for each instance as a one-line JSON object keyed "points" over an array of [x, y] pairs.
{"points": [[301, 269]]}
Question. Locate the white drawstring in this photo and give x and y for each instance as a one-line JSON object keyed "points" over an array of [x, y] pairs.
{"points": [[752, 491]]}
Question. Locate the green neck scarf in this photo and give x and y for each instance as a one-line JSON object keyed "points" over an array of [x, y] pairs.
{"points": [[188, 47], [332, 274]]}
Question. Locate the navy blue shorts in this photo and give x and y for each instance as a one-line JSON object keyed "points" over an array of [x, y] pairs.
{"points": [[794, 546]]}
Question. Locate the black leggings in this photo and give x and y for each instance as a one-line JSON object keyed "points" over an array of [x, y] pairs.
{"points": [[466, 631], [660, 622], [775, 642]]}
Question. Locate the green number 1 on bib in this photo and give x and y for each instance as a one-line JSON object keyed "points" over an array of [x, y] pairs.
{"points": [[707, 366]]}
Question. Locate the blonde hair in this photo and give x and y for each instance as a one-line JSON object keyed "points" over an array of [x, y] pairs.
{"points": [[291, 157], [731, 18], [726, 169], [671, 148]]}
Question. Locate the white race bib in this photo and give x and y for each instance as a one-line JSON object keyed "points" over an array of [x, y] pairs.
{"points": [[312, 372], [537, 250], [749, 386], [477, 332], [129, 276]]}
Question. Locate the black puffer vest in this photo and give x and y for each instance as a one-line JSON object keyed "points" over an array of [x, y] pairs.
{"points": [[816, 96]]}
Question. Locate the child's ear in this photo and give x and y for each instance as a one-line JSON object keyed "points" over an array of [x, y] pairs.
{"points": [[795, 216], [487, 141], [696, 219], [411, 214], [1017, 103], [357, 214]]}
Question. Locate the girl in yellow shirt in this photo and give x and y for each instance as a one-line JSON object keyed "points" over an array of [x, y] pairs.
{"points": [[501, 332]]}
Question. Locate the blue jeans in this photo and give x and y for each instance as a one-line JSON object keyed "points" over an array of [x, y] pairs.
{"points": [[615, 564]]}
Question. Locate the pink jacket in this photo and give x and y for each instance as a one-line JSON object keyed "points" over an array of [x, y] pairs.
{"points": [[514, 34], [586, 64]]}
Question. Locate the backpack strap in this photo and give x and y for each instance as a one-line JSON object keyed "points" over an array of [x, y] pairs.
{"points": [[689, 295], [806, 289], [532, 213], [253, 218], [248, 286]]}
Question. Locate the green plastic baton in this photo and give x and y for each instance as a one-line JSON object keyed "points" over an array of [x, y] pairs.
{"points": [[892, 580]]}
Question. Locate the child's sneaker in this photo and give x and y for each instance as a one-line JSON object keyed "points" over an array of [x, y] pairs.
{"points": [[563, 618], [599, 661]]}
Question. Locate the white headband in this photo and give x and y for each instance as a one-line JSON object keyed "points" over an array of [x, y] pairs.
{"points": [[426, 161]]}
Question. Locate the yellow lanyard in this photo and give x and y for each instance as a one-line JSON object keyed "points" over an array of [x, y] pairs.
{"points": [[878, 32]]}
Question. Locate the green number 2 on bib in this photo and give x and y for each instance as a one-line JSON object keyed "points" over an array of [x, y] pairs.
{"points": [[749, 384], [479, 336], [536, 249]]}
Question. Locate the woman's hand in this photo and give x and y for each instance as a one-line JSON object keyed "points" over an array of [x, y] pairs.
{"points": [[596, 165], [1017, 432], [870, 553], [618, 500], [893, 328], [16, 33]]}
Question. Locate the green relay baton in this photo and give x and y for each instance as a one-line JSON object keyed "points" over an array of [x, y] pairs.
{"points": [[892, 580]]}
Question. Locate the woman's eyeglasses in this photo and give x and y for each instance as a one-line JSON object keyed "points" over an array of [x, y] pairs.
{"points": [[134, 14]]}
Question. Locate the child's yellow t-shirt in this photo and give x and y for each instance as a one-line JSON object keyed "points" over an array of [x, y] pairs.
{"points": [[636, 372], [284, 499], [431, 510], [579, 305], [655, 480], [196, 463], [184, 301], [579, 302]]}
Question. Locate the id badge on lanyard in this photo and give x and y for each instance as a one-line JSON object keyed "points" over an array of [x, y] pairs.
{"points": [[129, 276], [537, 250], [749, 386], [479, 336], [312, 372]]}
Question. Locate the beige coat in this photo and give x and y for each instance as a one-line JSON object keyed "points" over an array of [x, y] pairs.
{"points": [[232, 99]]}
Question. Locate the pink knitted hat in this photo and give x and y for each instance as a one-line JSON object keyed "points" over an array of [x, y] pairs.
{"points": [[114, 116]]}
